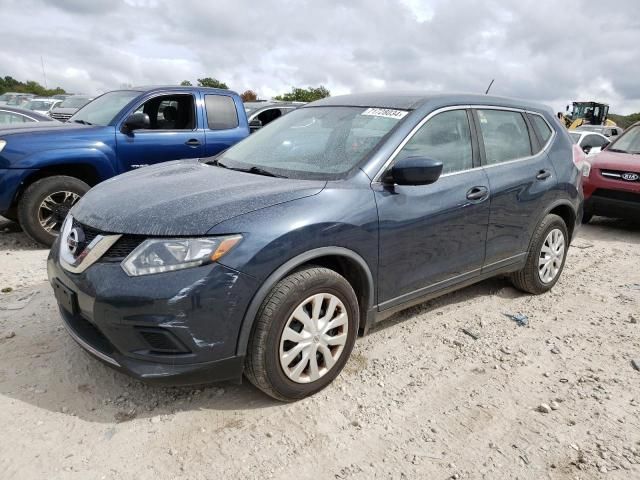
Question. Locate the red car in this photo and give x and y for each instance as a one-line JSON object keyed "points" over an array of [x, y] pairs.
{"points": [[611, 180]]}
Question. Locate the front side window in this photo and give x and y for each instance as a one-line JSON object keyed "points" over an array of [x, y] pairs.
{"points": [[221, 112], [103, 110], [170, 112], [314, 143], [445, 137], [505, 135], [7, 118]]}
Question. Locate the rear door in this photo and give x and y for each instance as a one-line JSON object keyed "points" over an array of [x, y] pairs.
{"points": [[173, 134], [521, 181], [222, 125], [432, 236]]}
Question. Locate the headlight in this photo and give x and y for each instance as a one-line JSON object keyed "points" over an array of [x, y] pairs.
{"points": [[2, 144], [165, 255], [586, 169]]}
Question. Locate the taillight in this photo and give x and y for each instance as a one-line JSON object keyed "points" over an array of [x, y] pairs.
{"points": [[580, 160]]}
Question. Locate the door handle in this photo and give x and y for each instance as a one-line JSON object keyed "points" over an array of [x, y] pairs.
{"points": [[477, 194], [542, 174], [192, 142]]}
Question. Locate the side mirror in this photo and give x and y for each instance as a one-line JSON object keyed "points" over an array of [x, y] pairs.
{"points": [[414, 171], [586, 149], [136, 121], [254, 125]]}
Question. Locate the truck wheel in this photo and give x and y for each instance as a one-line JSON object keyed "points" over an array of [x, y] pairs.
{"points": [[45, 204], [546, 257], [303, 335]]}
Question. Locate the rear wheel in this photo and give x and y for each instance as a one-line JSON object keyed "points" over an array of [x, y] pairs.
{"points": [[45, 204], [546, 257], [303, 335]]}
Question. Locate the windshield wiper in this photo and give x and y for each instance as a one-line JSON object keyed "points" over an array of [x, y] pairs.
{"points": [[256, 170], [83, 122]]}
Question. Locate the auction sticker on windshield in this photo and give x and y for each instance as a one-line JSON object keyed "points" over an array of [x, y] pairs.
{"points": [[385, 112]]}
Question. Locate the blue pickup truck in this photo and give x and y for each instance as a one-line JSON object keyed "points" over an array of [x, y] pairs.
{"points": [[46, 168]]}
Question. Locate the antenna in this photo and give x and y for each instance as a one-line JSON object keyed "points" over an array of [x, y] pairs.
{"points": [[489, 87], [43, 72]]}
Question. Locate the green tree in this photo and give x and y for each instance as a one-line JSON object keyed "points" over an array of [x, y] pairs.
{"points": [[309, 94], [185, 83], [211, 82], [10, 84], [249, 96]]}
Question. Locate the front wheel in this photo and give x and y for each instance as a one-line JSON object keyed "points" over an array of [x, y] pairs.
{"points": [[45, 204], [303, 334], [546, 257]]}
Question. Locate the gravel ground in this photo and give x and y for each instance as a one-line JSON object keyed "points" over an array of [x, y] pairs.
{"points": [[556, 399]]}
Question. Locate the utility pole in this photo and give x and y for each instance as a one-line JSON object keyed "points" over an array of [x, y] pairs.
{"points": [[43, 72], [489, 87]]}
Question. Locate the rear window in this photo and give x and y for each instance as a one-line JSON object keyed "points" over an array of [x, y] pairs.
{"points": [[541, 127], [505, 135], [221, 112]]}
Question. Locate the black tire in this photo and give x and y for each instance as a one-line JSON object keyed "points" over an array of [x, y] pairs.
{"points": [[528, 279], [586, 217], [263, 367], [31, 200]]}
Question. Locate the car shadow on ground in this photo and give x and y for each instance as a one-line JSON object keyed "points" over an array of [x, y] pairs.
{"points": [[43, 366], [12, 237]]}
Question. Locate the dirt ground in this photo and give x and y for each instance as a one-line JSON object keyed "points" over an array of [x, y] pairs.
{"points": [[418, 399]]}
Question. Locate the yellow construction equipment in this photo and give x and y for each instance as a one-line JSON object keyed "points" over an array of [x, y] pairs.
{"points": [[586, 113]]}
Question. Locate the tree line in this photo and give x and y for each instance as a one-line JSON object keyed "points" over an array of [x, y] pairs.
{"points": [[296, 94], [10, 84]]}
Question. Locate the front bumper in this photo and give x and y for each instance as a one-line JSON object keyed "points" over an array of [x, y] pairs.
{"points": [[10, 181], [614, 203], [175, 328]]}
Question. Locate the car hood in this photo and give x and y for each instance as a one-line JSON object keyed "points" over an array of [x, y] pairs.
{"points": [[185, 197], [617, 161], [36, 127]]}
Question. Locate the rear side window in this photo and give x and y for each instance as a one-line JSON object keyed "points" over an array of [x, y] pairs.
{"points": [[445, 137], [221, 112], [541, 127], [505, 135]]}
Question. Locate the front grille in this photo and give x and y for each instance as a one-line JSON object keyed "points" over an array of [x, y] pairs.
{"points": [[63, 117], [617, 195], [118, 251], [618, 175]]}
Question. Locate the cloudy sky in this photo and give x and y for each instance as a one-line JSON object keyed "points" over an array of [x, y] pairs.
{"points": [[548, 50]]}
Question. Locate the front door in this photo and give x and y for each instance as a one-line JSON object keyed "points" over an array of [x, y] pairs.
{"points": [[173, 133], [432, 236]]}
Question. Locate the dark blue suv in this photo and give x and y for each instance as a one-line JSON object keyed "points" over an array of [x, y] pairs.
{"points": [[271, 257]]}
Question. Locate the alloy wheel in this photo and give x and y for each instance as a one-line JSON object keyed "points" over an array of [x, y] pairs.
{"points": [[551, 256], [54, 209], [313, 338]]}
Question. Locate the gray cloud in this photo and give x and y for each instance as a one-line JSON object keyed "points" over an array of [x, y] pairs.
{"points": [[544, 50]]}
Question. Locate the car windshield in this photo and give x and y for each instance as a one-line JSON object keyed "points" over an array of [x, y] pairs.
{"points": [[629, 142], [74, 102], [575, 137], [39, 105], [313, 143], [104, 109]]}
